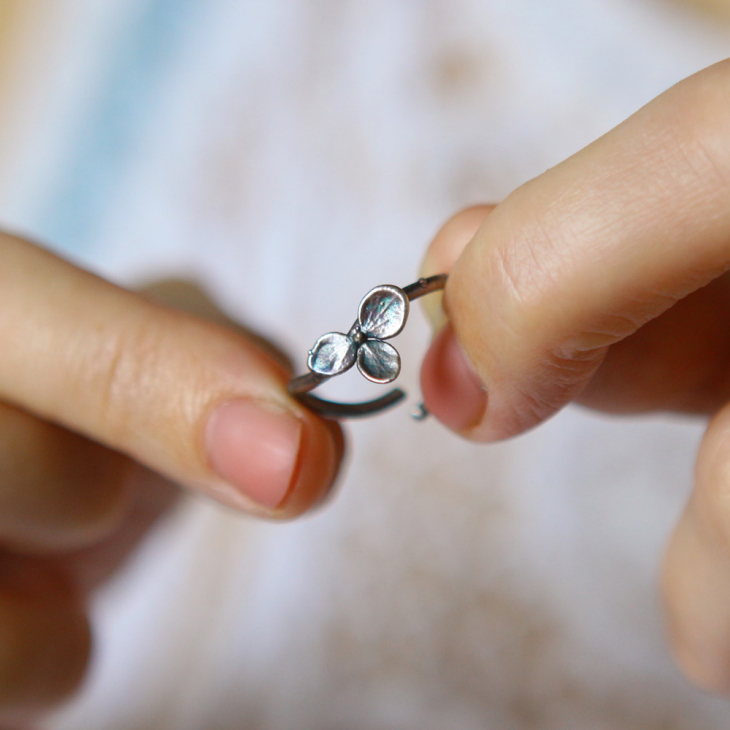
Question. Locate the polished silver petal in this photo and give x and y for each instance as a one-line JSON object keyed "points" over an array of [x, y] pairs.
{"points": [[378, 361], [332, 354], [383, 312]]}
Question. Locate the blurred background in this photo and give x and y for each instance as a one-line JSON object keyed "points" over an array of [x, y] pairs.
{"points": [[289, 155]]}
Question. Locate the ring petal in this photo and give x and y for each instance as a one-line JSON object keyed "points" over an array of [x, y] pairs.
{"points": [[383, 312], [332, 354], [378, 361]]}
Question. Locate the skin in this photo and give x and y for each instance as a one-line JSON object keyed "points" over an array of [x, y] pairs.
{"points": [[108, 399], [603, 281]]}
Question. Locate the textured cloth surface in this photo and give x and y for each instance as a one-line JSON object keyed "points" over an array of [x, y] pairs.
{"points": [[290, 156]]}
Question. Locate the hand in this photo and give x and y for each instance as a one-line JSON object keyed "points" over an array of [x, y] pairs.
{"points": [[603, 281], [105, 398]]}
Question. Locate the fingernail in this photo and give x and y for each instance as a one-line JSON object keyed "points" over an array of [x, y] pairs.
{"points": [[452, 390], [253, 445], [433, 305]]}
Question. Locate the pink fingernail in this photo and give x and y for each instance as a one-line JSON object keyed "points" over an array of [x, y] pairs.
{"points": [[254, 446], [451, 388]]}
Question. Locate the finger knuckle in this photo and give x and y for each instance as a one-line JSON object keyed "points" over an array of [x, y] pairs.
{"points": [[525, 264]]}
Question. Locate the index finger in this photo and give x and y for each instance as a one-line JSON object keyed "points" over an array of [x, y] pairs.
{"points": [[583, 256]]}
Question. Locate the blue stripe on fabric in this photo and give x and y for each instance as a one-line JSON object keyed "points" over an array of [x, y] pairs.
{"points": [[137, 67]]}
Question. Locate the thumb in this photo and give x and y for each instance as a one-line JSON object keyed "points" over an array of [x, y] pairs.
{"points": [[451, 388], [193, 400]]}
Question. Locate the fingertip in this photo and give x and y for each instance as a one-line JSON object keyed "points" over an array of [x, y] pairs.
{"points": [[452, 390], [444, 251], [318, 468], [330, 489], [452, 238]]}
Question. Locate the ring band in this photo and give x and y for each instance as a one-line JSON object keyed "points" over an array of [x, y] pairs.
{"points": [[382, 314]]}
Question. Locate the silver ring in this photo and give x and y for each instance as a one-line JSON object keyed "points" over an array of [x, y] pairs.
{"points": [[382, 314]]}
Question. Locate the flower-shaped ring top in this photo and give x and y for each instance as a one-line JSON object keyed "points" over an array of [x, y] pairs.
{"points": [[382, 314]]}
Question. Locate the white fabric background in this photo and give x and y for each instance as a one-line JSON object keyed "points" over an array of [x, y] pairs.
{"points": [[294, 154]]}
